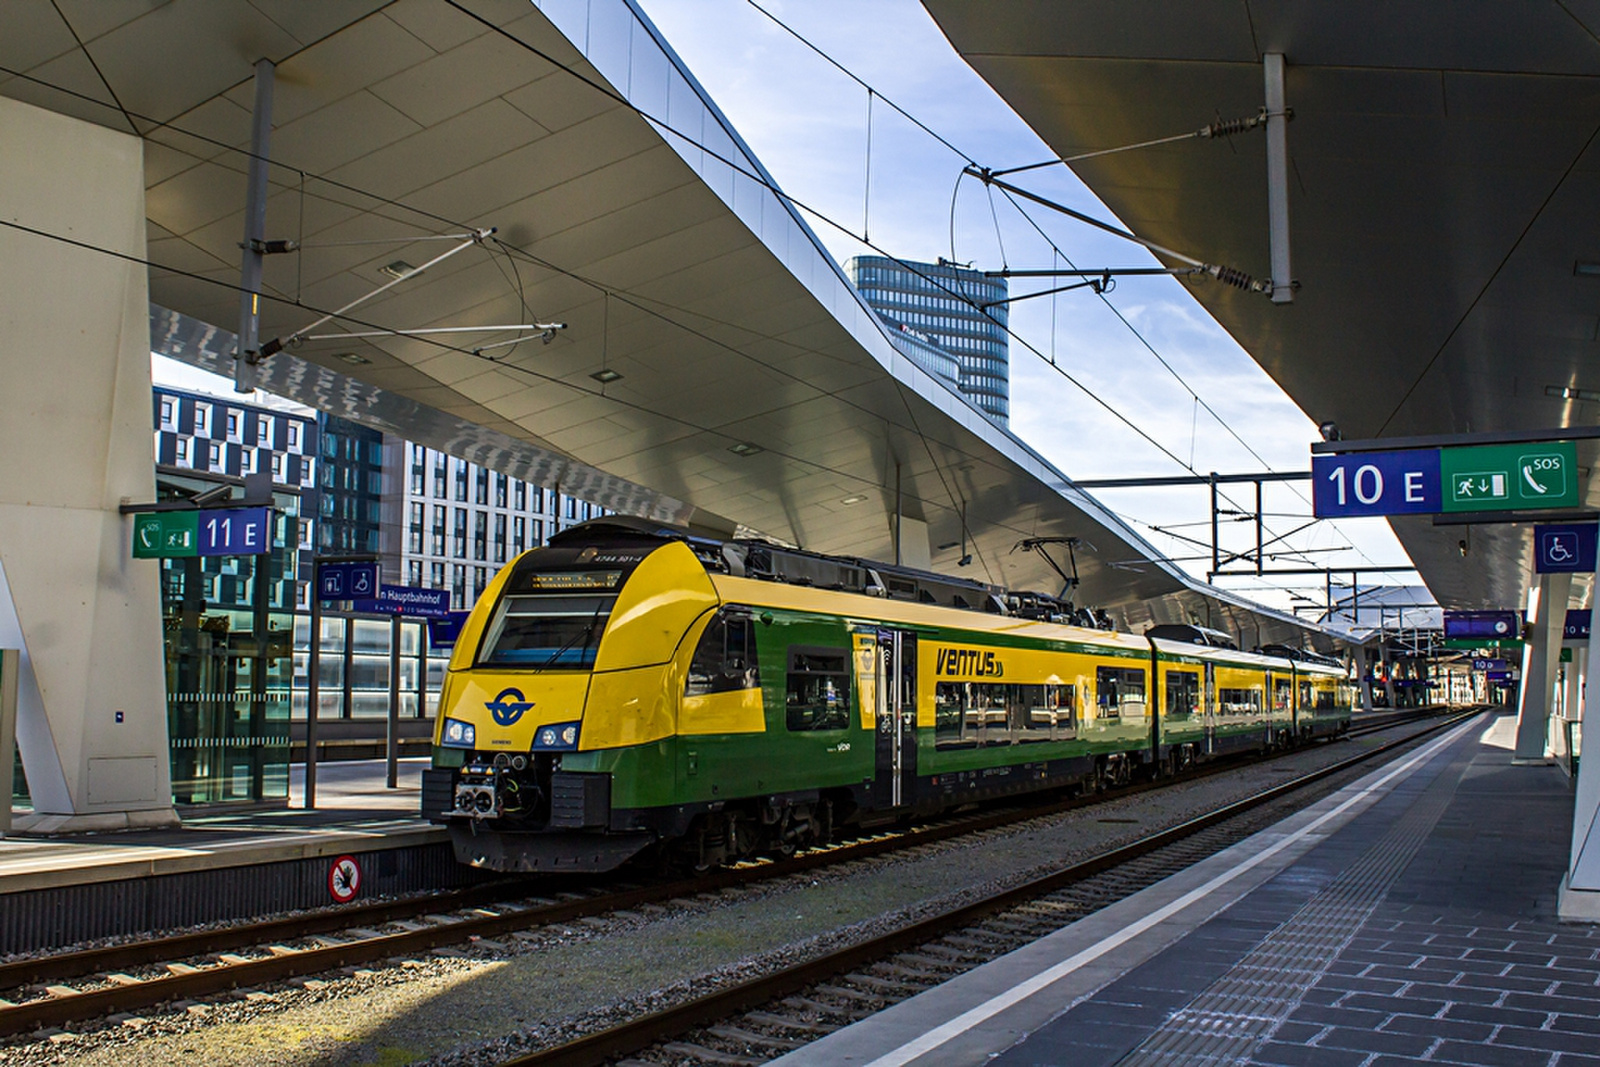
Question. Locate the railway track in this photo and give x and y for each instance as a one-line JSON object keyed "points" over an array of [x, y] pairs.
{"points": [[763, 1018], [72, 987]]}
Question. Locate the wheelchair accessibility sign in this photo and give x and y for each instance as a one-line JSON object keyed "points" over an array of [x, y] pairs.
{"points": [[1564, 548]]}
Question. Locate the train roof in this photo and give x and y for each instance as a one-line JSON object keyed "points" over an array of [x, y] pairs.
{"points": [[787, 577]]}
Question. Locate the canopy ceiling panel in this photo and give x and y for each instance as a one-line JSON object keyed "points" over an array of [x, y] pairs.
{"points": [[1443, 177], [755, 386]]}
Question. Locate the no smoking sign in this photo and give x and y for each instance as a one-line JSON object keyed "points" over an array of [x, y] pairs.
{"points": [[344, 879]]}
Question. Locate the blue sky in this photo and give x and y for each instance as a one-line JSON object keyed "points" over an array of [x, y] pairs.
{"points": [[807, 122]]}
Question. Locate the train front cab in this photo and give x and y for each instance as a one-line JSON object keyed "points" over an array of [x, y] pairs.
{"points": [[554, 747]]}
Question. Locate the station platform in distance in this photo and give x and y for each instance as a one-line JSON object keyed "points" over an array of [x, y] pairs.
{"points": [[1409, 916], [58, 890]]}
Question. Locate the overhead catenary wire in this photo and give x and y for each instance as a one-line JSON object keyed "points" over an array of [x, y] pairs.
{"points": [[735, 164], [1218, 129], [446, 347], [833, 223], [821, 216]]}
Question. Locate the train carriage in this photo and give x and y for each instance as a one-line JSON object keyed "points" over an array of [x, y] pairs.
{"points": [[632, 687]]}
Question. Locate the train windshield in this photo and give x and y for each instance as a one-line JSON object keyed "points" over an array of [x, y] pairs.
{"points": [[557, 622]]}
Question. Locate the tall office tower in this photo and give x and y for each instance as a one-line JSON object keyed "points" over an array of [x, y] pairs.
{"points": [[944, 306]]}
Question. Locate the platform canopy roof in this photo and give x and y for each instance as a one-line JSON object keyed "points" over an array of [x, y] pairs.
{"points": [[1444, 172], [712, 365]]}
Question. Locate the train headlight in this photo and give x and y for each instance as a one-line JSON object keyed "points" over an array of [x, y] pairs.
{"points": [[458, 734], [557, 737]]}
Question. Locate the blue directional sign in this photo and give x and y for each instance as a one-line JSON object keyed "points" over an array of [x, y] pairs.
{"points": [[1483, 625], [234, 532], [1489, 665], [1376, 483], [1577, 627], [442, 632], [346, 581], [406, 600], [1564, 547]]}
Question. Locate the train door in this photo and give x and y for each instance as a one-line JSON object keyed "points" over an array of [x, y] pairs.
{"points": [[1296, 685], [896, 715], [1280, 701], [1210, 717]]}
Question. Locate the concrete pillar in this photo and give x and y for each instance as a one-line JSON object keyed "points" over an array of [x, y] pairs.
{"points": [[75, 442], [1365, 673], [1579, 898], [1540, 660]]}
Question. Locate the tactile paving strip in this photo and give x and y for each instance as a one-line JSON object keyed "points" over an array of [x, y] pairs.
{"points": [[1246, 1005]]}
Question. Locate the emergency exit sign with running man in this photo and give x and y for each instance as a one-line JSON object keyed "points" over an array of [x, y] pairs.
{"points": [[1510, 477]]}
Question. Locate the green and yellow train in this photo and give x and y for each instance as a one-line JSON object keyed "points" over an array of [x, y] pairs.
{"points": [[634, 687]]}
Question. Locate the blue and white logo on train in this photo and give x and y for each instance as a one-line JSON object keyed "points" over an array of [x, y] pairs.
{"points": [[508, 707]]}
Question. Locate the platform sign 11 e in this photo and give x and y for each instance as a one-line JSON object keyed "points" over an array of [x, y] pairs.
{"points": [[1510, 477]]}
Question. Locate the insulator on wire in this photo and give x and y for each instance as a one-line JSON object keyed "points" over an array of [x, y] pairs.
{"points": [[1232, 126], [1236, 278]]}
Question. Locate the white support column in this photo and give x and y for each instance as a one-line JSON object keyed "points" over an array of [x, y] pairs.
{"points": [[1579, 899], [1278, 179], [75, 443], [1539, 668], [1366, 679]]}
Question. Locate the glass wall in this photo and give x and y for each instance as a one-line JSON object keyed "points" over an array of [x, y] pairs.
{"points": [[19, 785], [353, 668], [227, 623]]}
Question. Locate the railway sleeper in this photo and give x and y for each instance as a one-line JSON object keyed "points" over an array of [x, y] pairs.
{"points": [[710, 1055], [801, 1026], [888, 986], [750, 1037], [822, 1007]]}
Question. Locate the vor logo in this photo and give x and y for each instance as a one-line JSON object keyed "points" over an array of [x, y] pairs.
{"points": [[508, 707]]}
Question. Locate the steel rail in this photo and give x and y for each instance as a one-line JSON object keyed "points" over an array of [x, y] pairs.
{"points": [[648, 1030], [283, 965]]}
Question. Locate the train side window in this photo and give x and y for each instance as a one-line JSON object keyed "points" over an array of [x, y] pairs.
{"points": [[1282, 691], [1033, 712], [1183, 694], [817, 696], [949, 716], [725, 658], [991, 704], [1120, 691], [1239, 701]]}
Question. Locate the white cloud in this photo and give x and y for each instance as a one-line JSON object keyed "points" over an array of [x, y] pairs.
{"points": [[806, 121]]}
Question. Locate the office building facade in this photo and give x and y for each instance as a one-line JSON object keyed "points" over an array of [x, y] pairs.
{"points": [[947, 307], [237, 652]]}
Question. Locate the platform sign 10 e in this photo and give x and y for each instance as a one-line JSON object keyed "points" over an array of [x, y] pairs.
{"points": [[1376, 483], [1446, 480]]}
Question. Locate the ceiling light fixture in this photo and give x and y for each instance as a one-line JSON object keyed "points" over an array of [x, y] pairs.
{"points": [[1567, 392], [745, 448], [606, 377], [1586, 268], [852, 500], [352, 358], [398, 269]]}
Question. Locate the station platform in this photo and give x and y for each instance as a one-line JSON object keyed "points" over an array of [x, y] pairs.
{"points": [[1409, 916], [61, 889]]}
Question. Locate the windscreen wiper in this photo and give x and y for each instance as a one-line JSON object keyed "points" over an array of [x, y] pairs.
{"points": [[583, 633]]}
